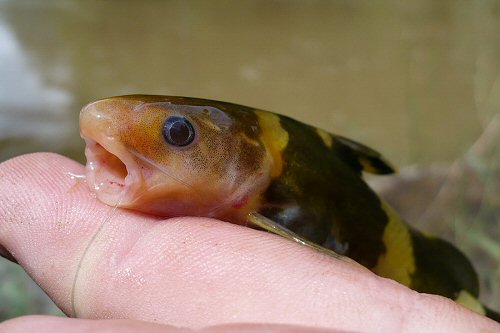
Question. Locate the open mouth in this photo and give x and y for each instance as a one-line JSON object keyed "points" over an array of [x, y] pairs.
{"points": [[112, 172]]}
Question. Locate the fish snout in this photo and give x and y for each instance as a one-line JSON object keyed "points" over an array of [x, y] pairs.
{"points": [[112, 172], [97, 119]]}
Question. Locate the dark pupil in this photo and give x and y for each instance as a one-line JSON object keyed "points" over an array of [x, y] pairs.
{"points": [[178, 131]]}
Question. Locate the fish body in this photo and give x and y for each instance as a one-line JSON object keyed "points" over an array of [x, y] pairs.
{"points": [[178, 156]]}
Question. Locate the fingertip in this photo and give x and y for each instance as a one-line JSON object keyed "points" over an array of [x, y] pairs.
{"points": [[35, 182], [44, 218]]}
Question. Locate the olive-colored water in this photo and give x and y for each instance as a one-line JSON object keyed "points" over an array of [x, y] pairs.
{"points": [[418, 80]]}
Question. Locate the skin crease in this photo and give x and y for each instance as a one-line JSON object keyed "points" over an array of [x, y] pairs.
{"points": [[188, 272]]}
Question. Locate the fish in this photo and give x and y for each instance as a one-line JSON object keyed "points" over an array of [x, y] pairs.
{"points": [[181, 156]]}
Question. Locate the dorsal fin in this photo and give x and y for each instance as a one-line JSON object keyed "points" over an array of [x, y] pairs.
{"points": [[361, 157]]}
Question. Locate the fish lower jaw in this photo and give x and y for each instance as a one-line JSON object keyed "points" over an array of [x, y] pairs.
{"points": [[112, 176]]}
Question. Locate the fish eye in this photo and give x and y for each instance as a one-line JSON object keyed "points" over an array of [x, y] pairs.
{"points": [[178, 131]]}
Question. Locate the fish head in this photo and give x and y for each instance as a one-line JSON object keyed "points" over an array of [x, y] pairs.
{"points": [[174, 156]]}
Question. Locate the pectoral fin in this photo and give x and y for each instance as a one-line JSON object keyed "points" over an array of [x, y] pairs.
{"points": [[271, 226]]}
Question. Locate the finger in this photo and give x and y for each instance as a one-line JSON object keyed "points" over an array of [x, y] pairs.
{"points": [[191, 272], [47, 324]]}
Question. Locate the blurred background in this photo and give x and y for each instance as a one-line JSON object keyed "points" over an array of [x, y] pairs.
{"points": [[419, 80]]}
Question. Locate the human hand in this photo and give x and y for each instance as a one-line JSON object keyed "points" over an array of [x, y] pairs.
{"points": [[144, 272]]}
